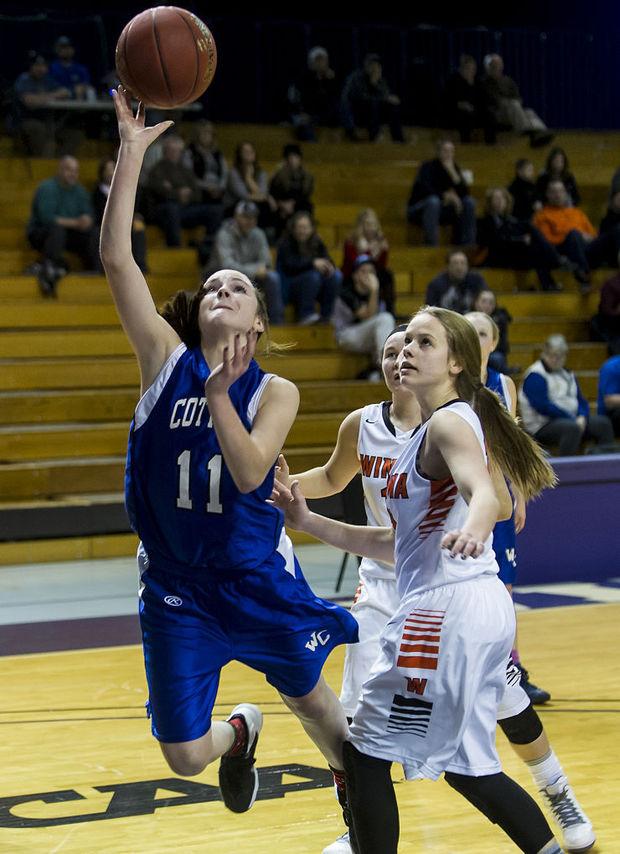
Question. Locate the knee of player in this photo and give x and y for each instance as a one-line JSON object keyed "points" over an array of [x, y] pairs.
{"points": [[523, 728], [184, 763]]}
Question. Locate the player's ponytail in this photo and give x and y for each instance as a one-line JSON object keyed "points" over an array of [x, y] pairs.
{"points": [[181, 312], [517, 454]]}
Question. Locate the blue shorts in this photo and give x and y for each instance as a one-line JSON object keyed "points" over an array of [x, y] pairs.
{"points": [[268, 619], [504, 546]]}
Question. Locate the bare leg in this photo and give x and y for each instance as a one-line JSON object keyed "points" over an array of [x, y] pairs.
{"points": [[188, 758], [323, 718]]}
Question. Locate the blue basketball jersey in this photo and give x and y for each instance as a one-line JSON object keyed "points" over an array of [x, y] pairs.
{"points": [[504, 534], [181, 498], [495, 382]]}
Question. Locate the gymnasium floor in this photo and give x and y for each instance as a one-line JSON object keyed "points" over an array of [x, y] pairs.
{"points": [[80, 772]]}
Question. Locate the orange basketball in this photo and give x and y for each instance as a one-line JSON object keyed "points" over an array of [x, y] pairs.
{"points": [[166, 57]]}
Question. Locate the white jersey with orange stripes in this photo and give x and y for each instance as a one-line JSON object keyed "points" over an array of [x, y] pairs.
{"points": [[422, 511], [379, 444]]}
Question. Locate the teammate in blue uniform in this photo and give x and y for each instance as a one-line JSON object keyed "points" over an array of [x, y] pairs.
{"points": [[505, 532], [219, 580]]}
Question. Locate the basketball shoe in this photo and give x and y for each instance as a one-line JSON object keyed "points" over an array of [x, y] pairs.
{"points": [[238, 776], [576, 828]]}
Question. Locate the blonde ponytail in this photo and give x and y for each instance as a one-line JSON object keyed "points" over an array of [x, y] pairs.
{"points": [[519, 457]]}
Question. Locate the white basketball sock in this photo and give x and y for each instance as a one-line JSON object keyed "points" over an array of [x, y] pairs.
{"points": [[546, 771]]}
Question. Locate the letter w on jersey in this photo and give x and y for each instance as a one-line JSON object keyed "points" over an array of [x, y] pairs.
{"points": [[419, 646], [317, 638]]}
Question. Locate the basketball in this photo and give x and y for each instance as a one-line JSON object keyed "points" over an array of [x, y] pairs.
{"points": [[166, 57]]}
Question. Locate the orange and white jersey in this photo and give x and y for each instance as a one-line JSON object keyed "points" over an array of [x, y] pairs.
{"points": [[379, 444], [422, 511]]}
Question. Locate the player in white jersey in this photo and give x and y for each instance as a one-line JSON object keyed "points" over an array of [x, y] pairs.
{"points": [[369, 441], [430, 701]]}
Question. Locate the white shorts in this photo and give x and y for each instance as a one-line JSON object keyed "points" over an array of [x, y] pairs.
{"points": [[376, 601], [431, 699]]}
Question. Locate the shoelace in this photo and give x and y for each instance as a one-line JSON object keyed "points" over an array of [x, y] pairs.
{"points": [[564, 808]]}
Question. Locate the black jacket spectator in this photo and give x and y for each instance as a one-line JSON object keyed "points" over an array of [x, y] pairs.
{"points": [[525, 195], [557, 169], [433, 180]]}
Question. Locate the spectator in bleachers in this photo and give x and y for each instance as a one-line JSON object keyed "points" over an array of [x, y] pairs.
{"points": [[504, 101], [606, 324], [440, 194], [457, 288], [612, 216], [574, 236], [41, 130], [99, 199], [367, 238], [464, 103], [208, 164], [241, 245], [523, 191], [486, 302], [248, 182], [512, 243], [70, 74], [315, 100], [291, 186], [62, 219], [360, 324], [609, 392], [557, 169], [173, 196], [368, 103], [309, 276], [553, 409]]}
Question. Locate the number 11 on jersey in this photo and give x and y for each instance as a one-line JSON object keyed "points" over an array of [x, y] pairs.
{"points": [[214, 467]]}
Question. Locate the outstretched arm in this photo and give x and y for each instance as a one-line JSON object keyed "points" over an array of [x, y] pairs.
{"points": [[377, 543], [340, 468], [151, 337]]}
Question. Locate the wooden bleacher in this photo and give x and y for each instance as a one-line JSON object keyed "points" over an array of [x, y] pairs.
{"points": [[68, 381]]}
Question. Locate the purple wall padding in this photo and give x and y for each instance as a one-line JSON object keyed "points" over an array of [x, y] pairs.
{"points": [[573, 532]]}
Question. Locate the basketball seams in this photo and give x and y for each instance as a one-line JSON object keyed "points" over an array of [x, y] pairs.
{"points": [[167, 72], [190, 27], [159, 59]]}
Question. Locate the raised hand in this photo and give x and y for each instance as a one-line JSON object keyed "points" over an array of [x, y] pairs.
{"points": [[131, 127], [233, 365], [461, 543], [292, 503]]}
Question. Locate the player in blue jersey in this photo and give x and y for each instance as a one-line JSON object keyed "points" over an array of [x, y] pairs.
{"points": [[505, 533], [219, 580]]}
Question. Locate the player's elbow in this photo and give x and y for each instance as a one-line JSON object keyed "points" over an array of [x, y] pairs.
{"points": [[249, 481]]}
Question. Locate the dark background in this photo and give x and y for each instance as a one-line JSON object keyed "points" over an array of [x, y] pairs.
{"points": [[565, 56]]}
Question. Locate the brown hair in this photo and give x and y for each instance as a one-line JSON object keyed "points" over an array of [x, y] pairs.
{"points": [[519, 457], [181, 312], [488, 196]]}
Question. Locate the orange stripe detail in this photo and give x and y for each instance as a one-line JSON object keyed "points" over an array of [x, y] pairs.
{"points": [[434, 638], [414, 661], [420, 647]]}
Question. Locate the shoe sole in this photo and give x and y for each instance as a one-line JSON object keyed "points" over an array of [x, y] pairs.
{"points": [[583, 848]]}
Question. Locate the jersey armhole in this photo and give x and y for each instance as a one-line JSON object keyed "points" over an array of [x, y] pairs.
{"points": [[256, 398], [147, 402]]}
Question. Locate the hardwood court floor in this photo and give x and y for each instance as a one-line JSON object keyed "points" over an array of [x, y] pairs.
{"points": [[81, 774]]}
